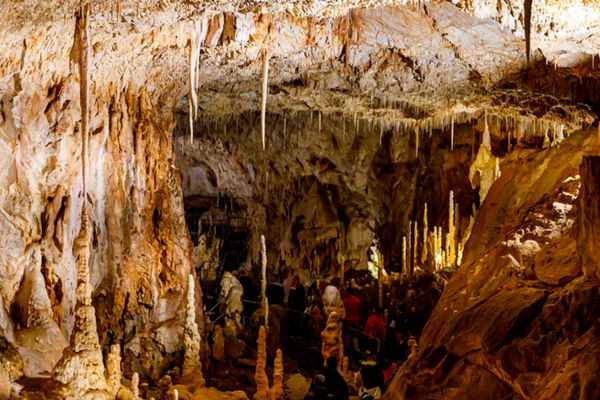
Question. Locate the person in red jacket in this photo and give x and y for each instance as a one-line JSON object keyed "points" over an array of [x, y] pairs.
{"points": [[375, 328], [353, 306]]}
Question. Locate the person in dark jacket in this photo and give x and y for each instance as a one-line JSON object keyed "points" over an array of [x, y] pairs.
{"points": [[318, 389], [371, 378], [336, 385]]}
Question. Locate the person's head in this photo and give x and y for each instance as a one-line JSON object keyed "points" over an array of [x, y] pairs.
{"points": [[319, 380]]}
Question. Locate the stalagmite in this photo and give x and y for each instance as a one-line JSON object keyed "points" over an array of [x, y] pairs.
{"points": [[497, 171], [276, 392], [81, 368], [409, 249], [263, 279], [81, 52], [265, 90], [113, 370], [404, 252], [260, 374], [451, 245], [191, 336], [330, 337], [438, 245], [135, 386], [175, 394], [218, 347], [416, 244]]}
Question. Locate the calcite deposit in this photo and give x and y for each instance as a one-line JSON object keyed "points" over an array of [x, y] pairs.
{"points": [[147, 146]]}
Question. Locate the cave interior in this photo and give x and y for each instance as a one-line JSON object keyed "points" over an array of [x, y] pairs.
{"points": [[300, 200]]}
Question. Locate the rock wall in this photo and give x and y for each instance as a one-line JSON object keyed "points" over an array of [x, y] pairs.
{"points": [[140, 249], [518, 317], [588, 214]]}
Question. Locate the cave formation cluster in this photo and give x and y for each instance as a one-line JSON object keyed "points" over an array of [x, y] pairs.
{"points": [[154, 153]]}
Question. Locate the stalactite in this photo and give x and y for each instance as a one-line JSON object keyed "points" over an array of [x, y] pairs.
{"points": [[80, 54], [486, 141], [263, 281], [527, 26], [546, 144], [276, 392], [452, 134], [416, 144], [319, 121], [260, 374], [193, 57], [265, 90]]}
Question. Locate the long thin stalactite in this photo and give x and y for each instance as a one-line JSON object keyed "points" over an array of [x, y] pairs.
{"points": [[527, 27], [194, 54], [80, 55], [265, 92]]}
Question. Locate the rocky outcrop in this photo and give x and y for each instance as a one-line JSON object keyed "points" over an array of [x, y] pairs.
{"points": [[517, 315], [588, 216]]}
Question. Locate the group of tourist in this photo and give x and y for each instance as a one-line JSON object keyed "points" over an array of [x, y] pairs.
{"points": [[375, 336]]}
